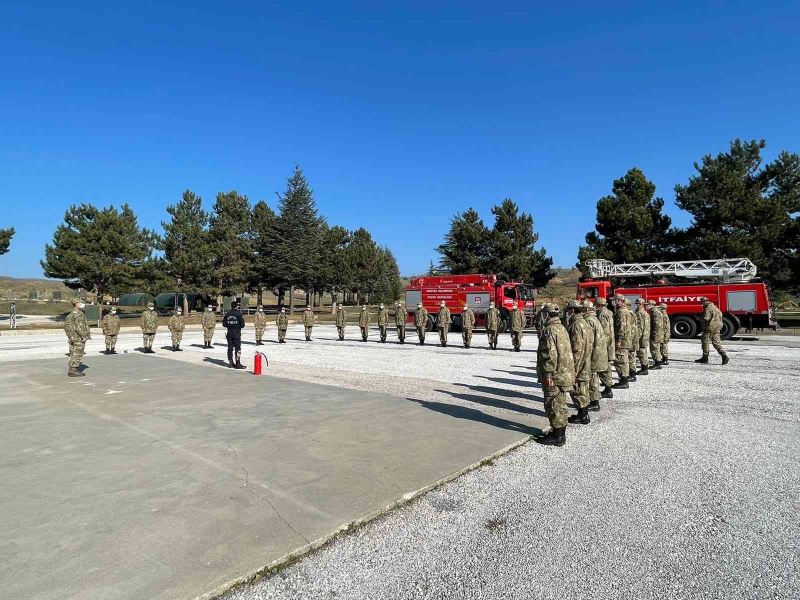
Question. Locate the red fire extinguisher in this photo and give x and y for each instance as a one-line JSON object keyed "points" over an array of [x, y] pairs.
{"points": [[257, 363]]}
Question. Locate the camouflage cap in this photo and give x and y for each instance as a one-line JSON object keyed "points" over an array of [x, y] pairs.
{"points": [[551, 308], [588, 304], [627, 301], [703, 299], [150, 305], [76, 301], [663, 305], [574, 304], [651, 303]]}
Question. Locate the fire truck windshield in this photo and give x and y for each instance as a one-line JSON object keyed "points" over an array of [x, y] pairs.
{"points": [[524, 292]]}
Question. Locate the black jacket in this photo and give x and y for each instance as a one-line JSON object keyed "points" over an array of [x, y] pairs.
{"points": [[233, 321]]}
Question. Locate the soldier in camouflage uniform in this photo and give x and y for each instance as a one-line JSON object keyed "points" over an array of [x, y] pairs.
{"points": [[712, 325], [667, 327], [606, 318], [176, 326], [78, 334], [363, 323], [383, 322], [341, 320], [656, 333], [599, 354], [260, 324], [624, 332], [282, 323], [149, 324], [467, 323], [400, 316], [635, 342], [443, 322], [643, 326], [555, 369], [492, 325], [308, 322], [421, 322], [110, 326], [582, 343], [517, 324], [209, 322]]}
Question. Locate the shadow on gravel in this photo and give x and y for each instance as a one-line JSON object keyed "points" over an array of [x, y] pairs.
{"points": [[217, 361], [531, 373], [501, 392], [495, 402], [506, 381], [471, 414]]}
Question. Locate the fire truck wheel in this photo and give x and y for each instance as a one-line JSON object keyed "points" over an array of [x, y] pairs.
{"points": [[502, 327], [729, 328], [683, 327], [431, 325]]}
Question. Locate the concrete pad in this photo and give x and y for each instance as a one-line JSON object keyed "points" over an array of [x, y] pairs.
{"points": [[154, 478]]}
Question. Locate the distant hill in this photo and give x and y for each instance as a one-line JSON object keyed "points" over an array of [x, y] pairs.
{"points": [[21, 288]]}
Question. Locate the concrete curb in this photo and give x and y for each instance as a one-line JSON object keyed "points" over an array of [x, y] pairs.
{"points": [[296, 555]]}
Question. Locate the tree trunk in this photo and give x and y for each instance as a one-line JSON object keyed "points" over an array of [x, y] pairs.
{"points": [[291, 299]]}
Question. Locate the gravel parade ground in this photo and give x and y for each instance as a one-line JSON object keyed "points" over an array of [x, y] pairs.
{"points": [[684, 486]]}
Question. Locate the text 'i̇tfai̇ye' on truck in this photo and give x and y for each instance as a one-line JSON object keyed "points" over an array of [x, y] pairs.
{"points": [[729, 283], [476, 291]]}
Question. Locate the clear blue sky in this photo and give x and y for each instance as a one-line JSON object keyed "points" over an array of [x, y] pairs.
{"points": [[401, 114]]}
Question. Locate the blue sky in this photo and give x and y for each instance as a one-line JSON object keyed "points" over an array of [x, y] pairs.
{"points": [[400, 114]]}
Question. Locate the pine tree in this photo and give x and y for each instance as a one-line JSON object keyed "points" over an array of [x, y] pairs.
{"points": [[630, 225], [298, 229], [266, 270], [465, 246], [740, 209], [186, 244], [364, 259], [335, 271], [512, 251], [100, 250], [5, 239], [229, 236]]}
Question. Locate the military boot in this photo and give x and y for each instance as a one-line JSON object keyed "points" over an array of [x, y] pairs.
{"points": [[556, 437], [665, 361], [594, 405], [607, 393], [178, 348], [703, 360], [632, 376], [656, 366], [725, 359], [643, 371], [74, 372], [581, 417], [622, 384], [239, 365]]}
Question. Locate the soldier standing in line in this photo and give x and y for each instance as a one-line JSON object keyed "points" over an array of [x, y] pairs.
{"points": [[443, 322], [623, 336], [667, 327], [383, 321], [421, 322], [308, 322], [260, 324], [582, 342], [712, 325], [517, 323], [283, 324], [599, 354], [209, 322], [656, 333], [555, 369], [110, 326], [341, 320], [233, 322], [643, 326], [634, 344], [363, 323], [467, 323], [78, 334], [492, 325], [176, 326], [149, 324], [606, 318], [400, 316]]}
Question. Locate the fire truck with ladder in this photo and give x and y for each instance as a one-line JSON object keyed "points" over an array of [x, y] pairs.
{"points": [[730, 283], [474, 290]]}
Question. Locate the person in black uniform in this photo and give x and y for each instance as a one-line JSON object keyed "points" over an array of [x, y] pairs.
{"points": [[233, 321]]}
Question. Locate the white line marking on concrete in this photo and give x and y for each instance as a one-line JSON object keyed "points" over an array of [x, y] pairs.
{"points": [[109, 392]]}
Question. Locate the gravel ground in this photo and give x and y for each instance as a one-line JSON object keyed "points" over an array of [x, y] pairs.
{"points": [[684, 486]]}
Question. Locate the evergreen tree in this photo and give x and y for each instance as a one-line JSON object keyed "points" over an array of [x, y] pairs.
{"points": [[298, 229], [5, 239], [364, 259], [390, 286], [630, 225], [99, 250], [229, 236], [512, 249], [186, 244], [336, 271], [465, 247], [740, 209], [266, 270]]}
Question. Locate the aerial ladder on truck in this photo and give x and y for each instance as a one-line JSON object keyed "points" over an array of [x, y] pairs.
{"points": [[729, 270]]}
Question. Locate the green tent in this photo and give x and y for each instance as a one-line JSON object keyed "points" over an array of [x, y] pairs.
{"points": [[135, 299]]}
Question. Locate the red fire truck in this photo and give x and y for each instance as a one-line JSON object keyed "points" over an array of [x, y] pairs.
{"points": [[475, 290], [728, 283]]}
